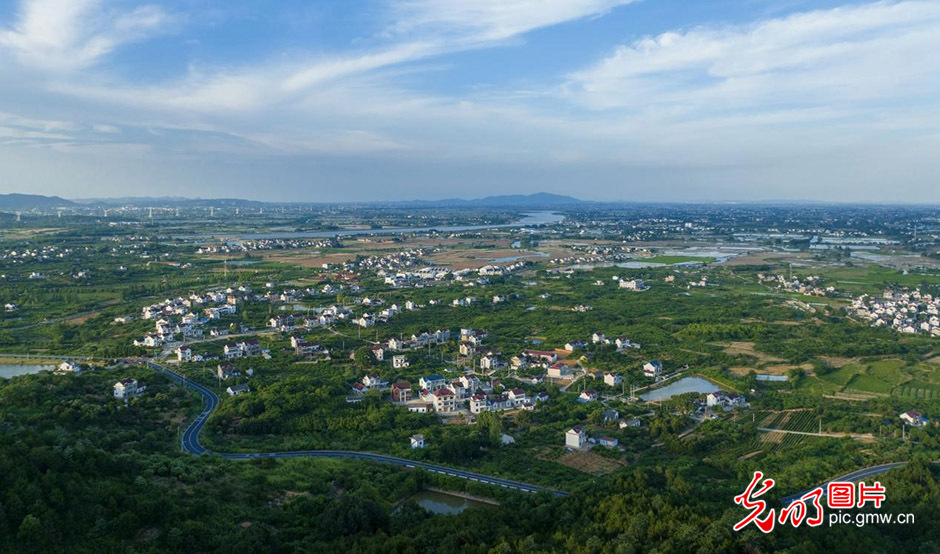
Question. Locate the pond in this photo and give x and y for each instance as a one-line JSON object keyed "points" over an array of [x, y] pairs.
{"points": [[12, 370], [682, 386], [446, 504]]}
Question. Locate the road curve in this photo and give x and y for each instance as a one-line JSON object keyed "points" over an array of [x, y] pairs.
{"points": [[189, 442], [854, 477]]}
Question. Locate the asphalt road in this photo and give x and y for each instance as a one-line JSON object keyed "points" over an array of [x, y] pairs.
{"points": [[189, 442], [854, 477]]}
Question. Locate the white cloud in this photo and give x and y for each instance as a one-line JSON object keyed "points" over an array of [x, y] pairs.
{"points": [[881, 51], [492, 20], [73, 34]]}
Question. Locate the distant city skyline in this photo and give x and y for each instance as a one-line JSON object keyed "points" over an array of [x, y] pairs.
{"points": [[381, 100]]}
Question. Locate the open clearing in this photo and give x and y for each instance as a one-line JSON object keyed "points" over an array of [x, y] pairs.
{"points": [[589, 462]]}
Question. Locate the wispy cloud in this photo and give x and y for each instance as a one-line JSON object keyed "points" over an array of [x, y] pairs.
{"points": [[73, 34], [808, 91], [491, 20], [881, 51]]}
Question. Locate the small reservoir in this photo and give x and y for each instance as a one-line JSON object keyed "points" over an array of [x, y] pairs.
{"points": [[682, 386], [12, 370]]}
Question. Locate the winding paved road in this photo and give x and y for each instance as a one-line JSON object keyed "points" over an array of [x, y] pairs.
{"points": [[190, 443], [854, 477]]}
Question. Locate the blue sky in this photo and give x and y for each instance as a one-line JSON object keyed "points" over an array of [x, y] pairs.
{"points": [[651, 100]]}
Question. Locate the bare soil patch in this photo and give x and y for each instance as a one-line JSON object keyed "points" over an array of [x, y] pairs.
{"points": [[747, 349], [589, 462]]}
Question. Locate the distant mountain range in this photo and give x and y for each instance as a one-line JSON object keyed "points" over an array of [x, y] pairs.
{"points": [[13, 202], [163, 201], [537, 200]]}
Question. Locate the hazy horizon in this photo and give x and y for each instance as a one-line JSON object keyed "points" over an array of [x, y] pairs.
{"points": [[605, 100]]}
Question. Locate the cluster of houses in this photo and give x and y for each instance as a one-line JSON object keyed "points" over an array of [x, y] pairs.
{"points": [[467, 393], [398, 344], [242, 349], [409, 257], [42, 254], [418, 278], [622, 343], [309, 351], [187, 316], [598, 254], [725, 400], [810, 286], [264, 244], [321, 317], [906, 312]]}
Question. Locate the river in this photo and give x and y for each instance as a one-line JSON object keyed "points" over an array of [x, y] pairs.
{"points": [[530, 219]]}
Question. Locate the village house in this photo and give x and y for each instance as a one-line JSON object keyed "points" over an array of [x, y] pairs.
{"points": [[543, 355], [401, 392], [632, 422], [653, 370], [184, 354], [237, 389], [517, 396], [610, 416], [558, 370], [231, 351], [633, 284], [445, 400], [432, 382], [575, 438], [417, 441], [623, 343], [304, 348], [575, 344], [400, 361], [467, 349], [225, 371], [127, 388], [609, 442], [373, 381], [612, 379], [69, 366], [587, 395], [913, 418], [490, 361], [395, 344], [478, 403], [725, 400]]}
